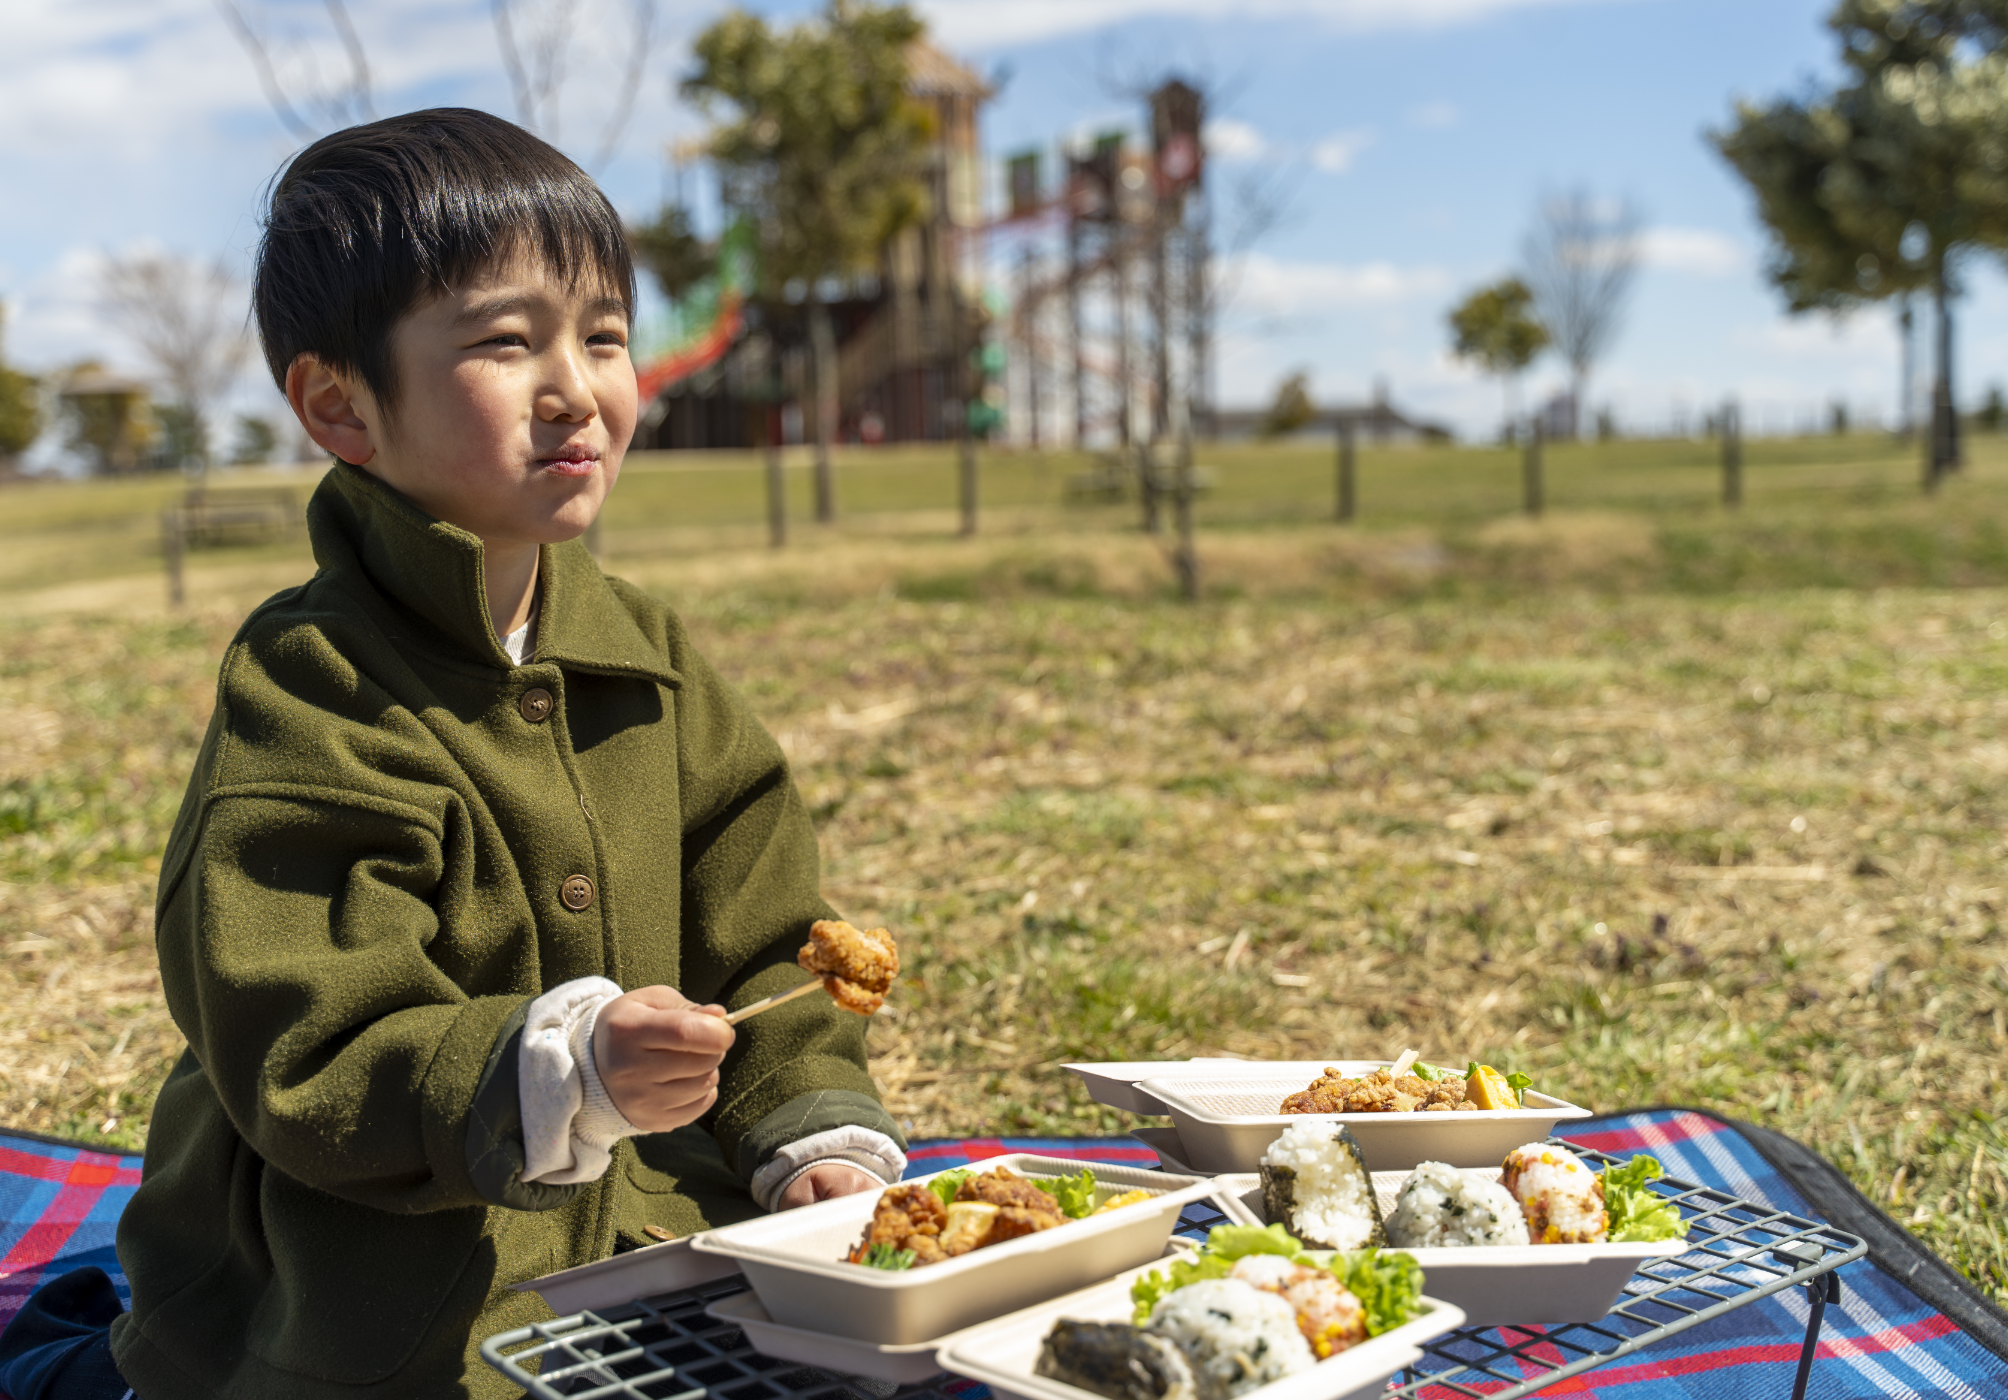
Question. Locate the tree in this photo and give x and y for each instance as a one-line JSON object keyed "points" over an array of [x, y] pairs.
{"points": [[187, 319], [824, 150], [1581, 256], [256, 440], [537, 40], [1292, 409], [1494, 328], [1883, 186], [20, 407], [670, 249]]}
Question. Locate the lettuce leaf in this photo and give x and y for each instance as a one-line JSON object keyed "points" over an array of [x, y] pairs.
{"points": [[946, 1185], [1387, 1283], [884, 1256], [1076, 1194], [1224, 1244], [1519, 1084], [1423, 1070], [1636, 1211]]}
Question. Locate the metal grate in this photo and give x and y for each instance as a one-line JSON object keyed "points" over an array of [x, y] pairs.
{"points": [[1738, 1251], [667, 1348]]}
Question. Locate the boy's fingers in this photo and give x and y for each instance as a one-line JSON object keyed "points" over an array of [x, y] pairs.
{"points": [[681, 1029]]}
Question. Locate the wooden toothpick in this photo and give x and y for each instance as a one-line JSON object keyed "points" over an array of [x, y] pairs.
{"points": [[769, 1003]]}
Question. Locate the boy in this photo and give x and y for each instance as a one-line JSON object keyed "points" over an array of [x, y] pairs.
{"points": [[460, 790]]}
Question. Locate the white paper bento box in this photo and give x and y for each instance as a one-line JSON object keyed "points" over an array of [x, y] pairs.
{"points": [[1497, 1285], [794, 1260], [1226, 1118], [1001, 1354], [903, 1365], [639, 1273]]}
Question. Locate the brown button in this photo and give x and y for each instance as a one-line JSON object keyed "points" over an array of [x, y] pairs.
{"points": [[577, 892], [535, 706]]}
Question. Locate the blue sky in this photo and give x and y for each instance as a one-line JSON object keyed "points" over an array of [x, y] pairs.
{"points": [[1415, 136]]}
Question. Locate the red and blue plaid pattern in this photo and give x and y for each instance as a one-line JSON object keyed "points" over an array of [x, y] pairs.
{"points": [[59, 1209], [1881, 1340]]}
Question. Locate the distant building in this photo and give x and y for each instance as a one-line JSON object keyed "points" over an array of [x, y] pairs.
{"points": [[898, 336], [1377, 421]]}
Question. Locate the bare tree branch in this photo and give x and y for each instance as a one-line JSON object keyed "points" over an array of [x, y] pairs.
{"points": [[640, 46], [536, 59], [313, 108], [359, 67], [187, 319], [1581, 258], [268, 78], [512, 62]]}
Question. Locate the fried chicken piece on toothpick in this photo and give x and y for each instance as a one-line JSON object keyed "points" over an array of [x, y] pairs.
{"points": [[857, 965]]}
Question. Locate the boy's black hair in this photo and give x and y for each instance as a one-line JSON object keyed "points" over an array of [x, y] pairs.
{"points": [[368, 223]]}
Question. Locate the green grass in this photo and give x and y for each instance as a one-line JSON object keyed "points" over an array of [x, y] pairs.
{"points": [[1654, 802]]}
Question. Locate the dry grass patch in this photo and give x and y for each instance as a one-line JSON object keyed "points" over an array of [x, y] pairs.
{"points": [[1742, 852]]}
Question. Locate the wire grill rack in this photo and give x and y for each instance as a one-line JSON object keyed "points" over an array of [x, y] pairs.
{"points": [[668, 1348]]}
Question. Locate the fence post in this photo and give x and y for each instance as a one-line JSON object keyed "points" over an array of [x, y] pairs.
{"points": [[777, 498], [1348, 502], [1185, 558], [1732, 454], [173, 541], [1532, 487]]}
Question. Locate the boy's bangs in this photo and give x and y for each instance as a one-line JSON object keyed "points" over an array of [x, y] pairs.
{"points": [[367, 223]]}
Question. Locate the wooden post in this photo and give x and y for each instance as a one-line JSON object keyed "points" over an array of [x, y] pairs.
{"points": [[1184, 557], [173, 542], [1732, 455], [1347, 500], [1532, 487], [966, 473], [777, 484]]}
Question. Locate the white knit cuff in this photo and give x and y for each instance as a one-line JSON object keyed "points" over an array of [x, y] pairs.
{"points": [[569, 1123], [861, 1147]]}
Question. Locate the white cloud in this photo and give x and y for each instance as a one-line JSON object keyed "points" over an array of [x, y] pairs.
{"points": [[1701, 251], [1435, 116], [1817, 337], [993, 23], [1335, 154], [1228, 139], [1273, 287]]}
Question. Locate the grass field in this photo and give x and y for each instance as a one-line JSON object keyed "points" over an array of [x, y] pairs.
{"points": [[1656, 804]]}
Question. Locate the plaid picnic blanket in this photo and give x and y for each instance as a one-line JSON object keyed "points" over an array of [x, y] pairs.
{"points": [[1906, 1325]]}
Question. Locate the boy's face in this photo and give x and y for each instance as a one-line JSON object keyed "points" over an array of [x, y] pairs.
{"points": [[515, 404]]}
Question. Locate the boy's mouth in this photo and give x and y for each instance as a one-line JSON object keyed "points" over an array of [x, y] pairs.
{"points": [[572, 461]]}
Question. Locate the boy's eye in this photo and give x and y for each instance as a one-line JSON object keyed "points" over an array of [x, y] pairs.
{"points": [[505, 338], [618, 338]]}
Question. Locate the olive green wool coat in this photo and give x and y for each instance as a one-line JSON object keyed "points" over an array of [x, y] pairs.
{"points": [[361, 897]]}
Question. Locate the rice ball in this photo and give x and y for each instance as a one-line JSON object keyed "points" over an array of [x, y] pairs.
{"points": [[1442, 1206]]}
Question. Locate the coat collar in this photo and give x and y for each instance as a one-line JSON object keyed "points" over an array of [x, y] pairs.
{"points": [[432, 569]]}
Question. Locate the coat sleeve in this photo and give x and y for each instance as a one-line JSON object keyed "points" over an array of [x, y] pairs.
{"points": [[293, 951], [751, 888]]}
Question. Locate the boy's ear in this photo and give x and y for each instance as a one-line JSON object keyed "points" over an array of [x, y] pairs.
{"points": [[327, 404]]}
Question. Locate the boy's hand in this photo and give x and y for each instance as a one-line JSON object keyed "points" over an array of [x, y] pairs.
{"points": [[827, 1179], [658, 1053]]}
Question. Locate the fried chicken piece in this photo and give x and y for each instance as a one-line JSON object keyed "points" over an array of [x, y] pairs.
{"points": [[1378, 1092], [857, 966], [1003, 1187], [907, 1217]]}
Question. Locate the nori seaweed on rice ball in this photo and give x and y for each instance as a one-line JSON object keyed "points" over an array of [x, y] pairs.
{"points": [[1315, 1184], [1124, 1362]]}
